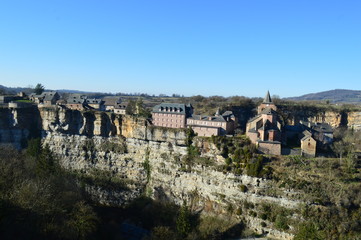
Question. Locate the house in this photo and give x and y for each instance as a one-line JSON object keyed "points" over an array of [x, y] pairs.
{"points": [[308, 144], [120, 108], [110, 103], [212, 125], [46, 98], [264, 130], [172, 115], [76, 102], [96, 104]]}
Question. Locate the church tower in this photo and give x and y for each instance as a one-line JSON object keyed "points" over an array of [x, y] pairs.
{"points": [[267, 103]]}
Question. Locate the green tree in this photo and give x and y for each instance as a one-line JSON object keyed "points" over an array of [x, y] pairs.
{"points": [[83, 221], [184, 221], [34, 148], [131, 108], [46, 162], [39, 89]]}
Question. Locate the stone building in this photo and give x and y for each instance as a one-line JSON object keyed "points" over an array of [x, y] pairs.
{"points": [[110, 103], [267, 103], [76, 102], [308, 144], [264, 130], [216, 125], [46, 98], [172, 115], [96, 104], [120, 108]]}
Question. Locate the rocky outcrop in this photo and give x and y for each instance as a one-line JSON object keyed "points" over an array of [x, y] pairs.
{"points": [[354, 120], [332, 118]]}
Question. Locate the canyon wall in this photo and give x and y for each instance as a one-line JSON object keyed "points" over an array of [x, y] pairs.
{"points": [[146, 160]]}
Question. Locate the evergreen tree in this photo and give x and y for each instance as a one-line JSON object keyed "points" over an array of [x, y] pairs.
{"points": [[39, 89]]}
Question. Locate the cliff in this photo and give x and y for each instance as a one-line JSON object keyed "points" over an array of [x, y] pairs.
{"points": [[145, 160]]}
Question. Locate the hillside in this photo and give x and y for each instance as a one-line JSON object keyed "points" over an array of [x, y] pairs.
{"points": [[334, 96]]}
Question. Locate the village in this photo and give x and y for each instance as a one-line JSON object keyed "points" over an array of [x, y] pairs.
{"points": [[265, 129]]}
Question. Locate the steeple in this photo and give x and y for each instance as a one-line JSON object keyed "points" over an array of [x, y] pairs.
{"points": [[217, 113], [267, 98]]}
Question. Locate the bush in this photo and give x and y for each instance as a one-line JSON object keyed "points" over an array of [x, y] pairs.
{"points": [[281, 222], [255, 167], [184, 221], [243, 188], [162, 233]]}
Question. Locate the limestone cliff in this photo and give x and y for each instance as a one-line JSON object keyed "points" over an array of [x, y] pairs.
{"points": [[147, 160]]}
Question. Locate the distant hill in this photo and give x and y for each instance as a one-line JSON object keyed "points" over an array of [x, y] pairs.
{"points": [[334, 96], [14, 90]]}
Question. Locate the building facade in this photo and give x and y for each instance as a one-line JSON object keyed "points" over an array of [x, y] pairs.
{"points": [[216, 125], [172, 115]]}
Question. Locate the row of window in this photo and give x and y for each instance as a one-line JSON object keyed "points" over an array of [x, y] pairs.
{"points": [[168, 120], [206, 123], [170, 109], [169, 115]]}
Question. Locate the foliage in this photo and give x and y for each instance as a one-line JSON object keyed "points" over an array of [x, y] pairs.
{"points": [[147, 168], [254, 167], [162, 233], [102, 178], [116, 147], [184, 221], [308, 231], [41, 204], [137, 108], [39, 89], [83, 220], [146, 165]]}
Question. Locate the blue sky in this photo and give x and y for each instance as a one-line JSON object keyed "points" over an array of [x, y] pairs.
{"points": [[190, 47]]}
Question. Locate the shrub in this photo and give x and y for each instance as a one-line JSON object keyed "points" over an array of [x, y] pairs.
{"points": [[281, 222], [243, 188]]}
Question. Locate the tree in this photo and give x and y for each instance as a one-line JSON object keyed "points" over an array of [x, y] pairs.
{"points": [[131, 107], [184, 221], [39, 89], [83, 220]]}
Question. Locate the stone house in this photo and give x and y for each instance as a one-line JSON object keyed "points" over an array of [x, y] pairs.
{"points": [[46, 98], [110, 103], [96, 104], [76, 102], [172, 115], [264, 130], [216, 125], [120, 108], [308, 144]]}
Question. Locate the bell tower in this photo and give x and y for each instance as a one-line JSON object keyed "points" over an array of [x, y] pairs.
{"points": [[267, 103]]}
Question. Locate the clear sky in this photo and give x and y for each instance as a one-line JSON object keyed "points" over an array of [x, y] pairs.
{"points": [[190, 47]]}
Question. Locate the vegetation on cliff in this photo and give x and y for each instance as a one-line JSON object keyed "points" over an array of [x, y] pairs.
{"points": [[38, 200]]}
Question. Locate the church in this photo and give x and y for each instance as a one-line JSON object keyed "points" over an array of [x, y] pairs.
{"points": [[264, 130]]}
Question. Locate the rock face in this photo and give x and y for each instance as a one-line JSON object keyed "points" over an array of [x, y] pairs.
{"points": [[142, 159], [168, 177], [332, 118], [354, 120]]}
